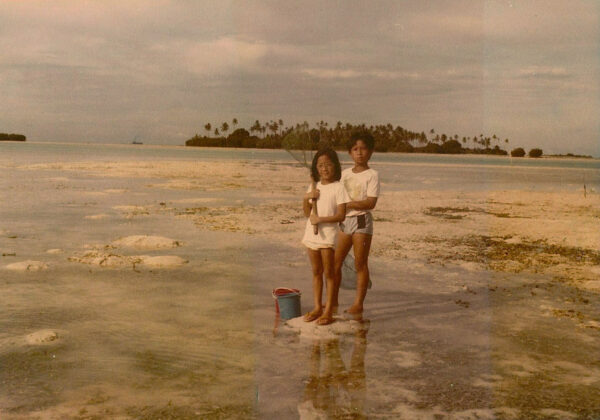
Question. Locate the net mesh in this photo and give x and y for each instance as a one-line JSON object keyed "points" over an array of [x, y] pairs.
{"points": [[299, 144]]}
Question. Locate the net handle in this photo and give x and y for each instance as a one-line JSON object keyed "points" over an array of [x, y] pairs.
{"points": [[314, 208]]}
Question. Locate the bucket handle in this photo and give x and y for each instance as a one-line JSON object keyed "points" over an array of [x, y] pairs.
{"points": [[291, 290]]}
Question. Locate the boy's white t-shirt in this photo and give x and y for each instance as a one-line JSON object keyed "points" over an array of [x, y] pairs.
{"points": [[360, 186], [330, 195]]}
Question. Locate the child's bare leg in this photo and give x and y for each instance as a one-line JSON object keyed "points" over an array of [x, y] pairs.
{"points": [[335, 369], [317, 283], [327, 255], [357, 380], [344, 244], [362, 245], [312, 386]]}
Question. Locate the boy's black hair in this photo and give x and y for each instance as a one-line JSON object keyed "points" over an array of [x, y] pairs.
{"points": [[337, 174], [363, 135]]}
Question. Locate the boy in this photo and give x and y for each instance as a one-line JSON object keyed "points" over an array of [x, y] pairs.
{"points": [[362, 184]]}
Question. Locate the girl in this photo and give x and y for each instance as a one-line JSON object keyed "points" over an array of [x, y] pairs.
{"points": [[330, 197]]}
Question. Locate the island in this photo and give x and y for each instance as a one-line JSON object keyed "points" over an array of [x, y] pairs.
{"points": [[12, 137], [388, 138]]}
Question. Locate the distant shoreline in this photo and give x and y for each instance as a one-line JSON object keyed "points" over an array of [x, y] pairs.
{"points": [[180, 146], [505, 156], [570, 156]]}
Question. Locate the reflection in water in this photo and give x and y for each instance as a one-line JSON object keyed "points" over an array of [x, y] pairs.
{"points": [[334, 390]]}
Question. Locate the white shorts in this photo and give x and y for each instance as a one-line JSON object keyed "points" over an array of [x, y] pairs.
{"points": [[315, 246]]}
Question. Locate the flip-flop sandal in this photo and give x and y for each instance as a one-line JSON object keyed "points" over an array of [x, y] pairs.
{"points": [[311, 316], [325, 321]]}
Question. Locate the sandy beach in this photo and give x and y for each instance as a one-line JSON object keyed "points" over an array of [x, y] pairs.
{"points": [[142, 289]]}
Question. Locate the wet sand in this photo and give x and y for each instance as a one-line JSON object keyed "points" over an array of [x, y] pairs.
{"points": [[143, 290]]}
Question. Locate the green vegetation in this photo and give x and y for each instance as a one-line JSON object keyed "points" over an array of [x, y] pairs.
{"points": [[388, 138], [518, 152], [12, 137], [571, 155], [536, 153]]}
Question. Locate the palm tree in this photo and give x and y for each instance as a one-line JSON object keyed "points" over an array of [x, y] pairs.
{"points": [[216, 131], [224, 128], [207, 127], [234, 122], [273, 127], [255, 127]]}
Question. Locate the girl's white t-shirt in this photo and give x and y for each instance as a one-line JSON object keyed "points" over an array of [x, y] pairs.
{"points": [[330, 195], [360, 186]]}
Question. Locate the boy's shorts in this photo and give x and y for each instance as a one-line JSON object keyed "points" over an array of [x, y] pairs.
{"points": [[363, 223]]}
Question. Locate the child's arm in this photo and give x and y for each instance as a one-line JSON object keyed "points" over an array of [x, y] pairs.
{"points": [[339, 216], [367, 204], [372, 194], [306, 202]]}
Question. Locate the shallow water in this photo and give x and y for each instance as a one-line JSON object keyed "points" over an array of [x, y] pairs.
{"points": [[203, 340]]}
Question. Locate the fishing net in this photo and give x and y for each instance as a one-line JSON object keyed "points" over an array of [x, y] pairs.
{"points": [[349, 276], [299, 144]]}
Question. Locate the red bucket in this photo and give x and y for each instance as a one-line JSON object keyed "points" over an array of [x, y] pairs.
{"points": [[281, 291]]}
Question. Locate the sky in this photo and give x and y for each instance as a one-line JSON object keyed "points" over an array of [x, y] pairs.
{"points": [[110, 71]]}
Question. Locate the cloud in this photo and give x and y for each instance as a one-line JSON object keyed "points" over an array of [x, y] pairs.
{"points": [[330, 73], [552, 73], [540, 22], [226, 54]]}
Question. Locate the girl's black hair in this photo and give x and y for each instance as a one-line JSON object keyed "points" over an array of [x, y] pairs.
{"points": [[363, 135], [332, 155]]}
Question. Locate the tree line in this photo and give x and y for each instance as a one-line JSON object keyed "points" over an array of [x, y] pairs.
{"points": [[12, 137], [388, 138]]}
